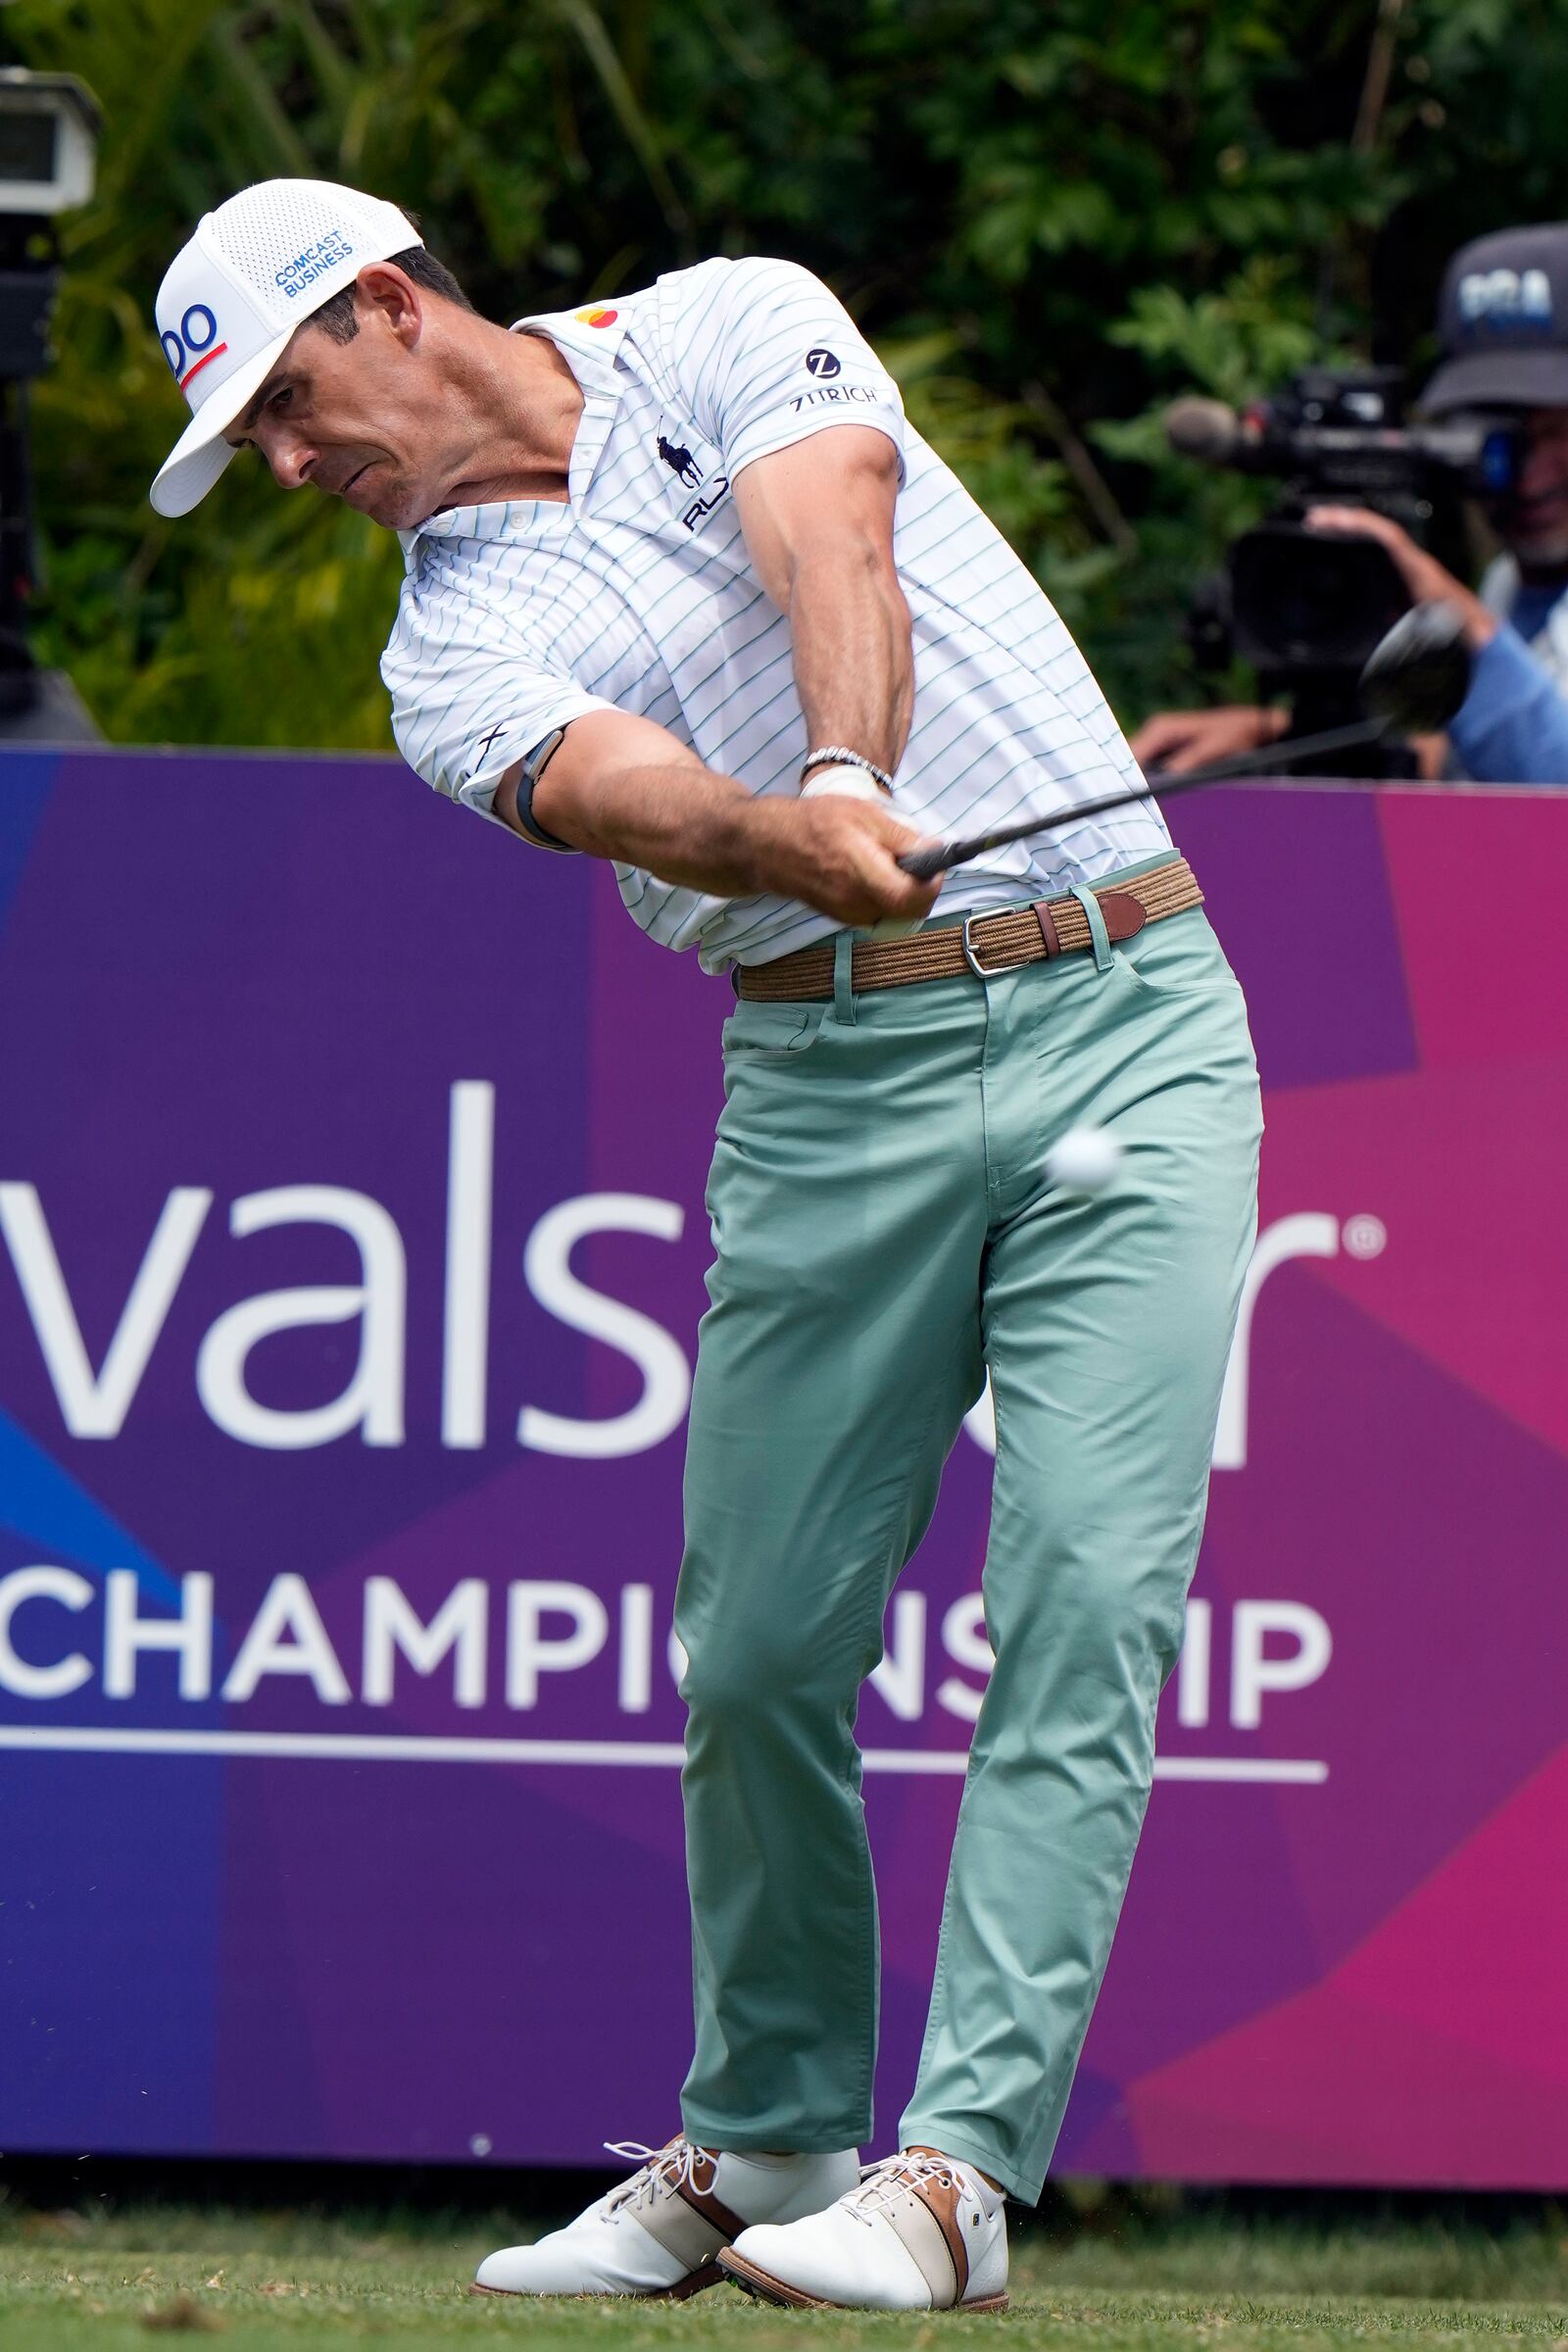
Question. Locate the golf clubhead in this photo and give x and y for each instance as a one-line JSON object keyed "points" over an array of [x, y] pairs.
{"points": [[1417, 676]]}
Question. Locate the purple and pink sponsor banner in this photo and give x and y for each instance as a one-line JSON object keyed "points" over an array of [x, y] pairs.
{"points": [[352, 1245]]}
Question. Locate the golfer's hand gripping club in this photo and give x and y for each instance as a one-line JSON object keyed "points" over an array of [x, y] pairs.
{"points": [[843, 857]]}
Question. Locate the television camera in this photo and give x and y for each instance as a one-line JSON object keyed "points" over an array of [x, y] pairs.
{"points": [[1305, 607]]}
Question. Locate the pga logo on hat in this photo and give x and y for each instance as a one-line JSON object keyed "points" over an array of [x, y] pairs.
{"points": [[1506, 298]]}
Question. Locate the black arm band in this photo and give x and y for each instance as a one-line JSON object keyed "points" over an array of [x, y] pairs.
{"points": [[533, 767]]}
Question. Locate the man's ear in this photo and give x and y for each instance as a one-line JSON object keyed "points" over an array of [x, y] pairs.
{"points": [[387, 290]]}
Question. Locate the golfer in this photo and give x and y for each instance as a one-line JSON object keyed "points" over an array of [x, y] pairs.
{"points": [[685, 592]]}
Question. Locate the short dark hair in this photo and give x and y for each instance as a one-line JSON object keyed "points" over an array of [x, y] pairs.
{"points": [[337, 318]]}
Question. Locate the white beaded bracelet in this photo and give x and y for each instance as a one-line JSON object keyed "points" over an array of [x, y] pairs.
{"points": [[838, 755]]}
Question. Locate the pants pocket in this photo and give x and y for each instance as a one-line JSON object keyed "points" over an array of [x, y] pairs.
{"points": [[773, 1032], [1177, 957]]}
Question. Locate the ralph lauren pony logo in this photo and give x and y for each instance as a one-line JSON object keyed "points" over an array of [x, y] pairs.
{"points": [[688, 470], [679, 458]]}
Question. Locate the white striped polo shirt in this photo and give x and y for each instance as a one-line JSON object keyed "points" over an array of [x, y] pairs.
{"points": [[637, 594]]}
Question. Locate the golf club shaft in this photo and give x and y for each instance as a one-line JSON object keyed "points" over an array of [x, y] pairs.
{"points": [[924, 864]]}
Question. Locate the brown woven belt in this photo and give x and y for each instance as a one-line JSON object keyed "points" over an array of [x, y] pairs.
{"points": [[983, 944]]}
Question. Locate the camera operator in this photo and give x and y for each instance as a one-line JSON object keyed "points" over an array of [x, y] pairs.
{"points": [[1503, 325]]}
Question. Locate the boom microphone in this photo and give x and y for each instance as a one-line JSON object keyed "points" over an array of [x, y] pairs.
{"points": [[1344, 446], [1211, 432]]}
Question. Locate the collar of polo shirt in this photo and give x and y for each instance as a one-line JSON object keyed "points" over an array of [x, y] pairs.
{"points": [[591, 337]]}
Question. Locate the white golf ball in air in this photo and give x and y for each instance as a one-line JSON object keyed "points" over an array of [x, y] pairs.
{"points": [[1083, 1160]]}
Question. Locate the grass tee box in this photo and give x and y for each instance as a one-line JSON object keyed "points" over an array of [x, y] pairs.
{"points": [[285, 2283]]}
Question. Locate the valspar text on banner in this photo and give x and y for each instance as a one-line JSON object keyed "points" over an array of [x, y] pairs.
{"points": [[95, 1403]]}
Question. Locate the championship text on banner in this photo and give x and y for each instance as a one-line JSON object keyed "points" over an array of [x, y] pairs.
{"points": [[351, 1244]]}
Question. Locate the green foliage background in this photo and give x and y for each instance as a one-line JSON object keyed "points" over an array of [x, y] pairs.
{"points": [[1051, 218]]}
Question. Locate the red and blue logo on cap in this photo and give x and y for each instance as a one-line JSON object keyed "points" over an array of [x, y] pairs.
{"points": [[194, 345]]}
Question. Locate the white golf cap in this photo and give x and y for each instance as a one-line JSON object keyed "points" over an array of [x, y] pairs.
{"points": [[254, 271]]}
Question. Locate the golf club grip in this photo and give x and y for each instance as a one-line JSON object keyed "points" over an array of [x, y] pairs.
{"points": [[924, 866]]}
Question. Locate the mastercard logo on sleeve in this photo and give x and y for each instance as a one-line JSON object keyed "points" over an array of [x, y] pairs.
{"points": [[597, 314]]}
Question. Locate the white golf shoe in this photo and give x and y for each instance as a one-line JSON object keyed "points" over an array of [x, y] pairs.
{"points": [[659, 2232], [920, 2232]]}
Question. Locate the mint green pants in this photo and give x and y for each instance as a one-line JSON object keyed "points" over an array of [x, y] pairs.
{"points": [[885, 1232]]}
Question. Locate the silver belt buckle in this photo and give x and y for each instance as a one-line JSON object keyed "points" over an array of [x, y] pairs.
{"points": [[980, 970]]}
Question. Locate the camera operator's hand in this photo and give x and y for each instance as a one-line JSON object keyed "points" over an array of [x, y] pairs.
{"points": [[1175, 740], [1426, 578]]}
